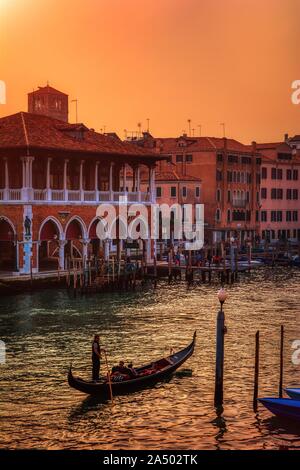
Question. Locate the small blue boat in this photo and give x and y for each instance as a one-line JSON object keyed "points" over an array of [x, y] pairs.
{"points": [[293, 393], [296, 261], [283, 407]]}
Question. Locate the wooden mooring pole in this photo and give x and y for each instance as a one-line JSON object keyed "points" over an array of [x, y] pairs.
{"points": [[155, 271], [113, 270], [236, 266], [281, 362], [69, 272], [219, 359], [90, 272], [256, 372], [170, 266], [31, 277]]}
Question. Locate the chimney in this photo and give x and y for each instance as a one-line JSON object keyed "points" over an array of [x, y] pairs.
{"points": [[286, 137], [254, 146]]}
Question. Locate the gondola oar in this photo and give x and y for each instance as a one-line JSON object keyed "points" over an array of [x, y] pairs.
{"points": [[109, 379]]}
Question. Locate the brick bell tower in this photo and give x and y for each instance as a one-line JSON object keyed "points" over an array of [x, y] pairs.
{"points": [[49, 102]]}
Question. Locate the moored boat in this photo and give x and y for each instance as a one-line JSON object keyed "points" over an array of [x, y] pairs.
{"points": [[296, 261], [147, 375], [293, 393], [283, 407]]}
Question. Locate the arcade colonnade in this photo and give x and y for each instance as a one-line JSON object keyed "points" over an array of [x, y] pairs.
{"points": [[55, 238], [58, 199]]}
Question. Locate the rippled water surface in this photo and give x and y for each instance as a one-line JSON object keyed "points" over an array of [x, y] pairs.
{"points": [[45, 331]]}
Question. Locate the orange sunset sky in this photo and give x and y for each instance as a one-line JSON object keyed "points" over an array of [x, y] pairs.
{"points": [[212, 61]]}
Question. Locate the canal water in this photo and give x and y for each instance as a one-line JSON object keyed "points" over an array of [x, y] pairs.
{"points": [[47, 330]]}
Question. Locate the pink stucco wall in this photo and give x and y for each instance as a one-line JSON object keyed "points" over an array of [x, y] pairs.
{"points": [[283, 204]]}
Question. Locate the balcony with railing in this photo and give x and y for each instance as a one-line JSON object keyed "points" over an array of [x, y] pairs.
{"points": [[82, 183], [67, 196], [239, 202]]}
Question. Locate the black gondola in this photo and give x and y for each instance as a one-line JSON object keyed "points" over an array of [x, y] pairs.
{"points": [[147, 375]]}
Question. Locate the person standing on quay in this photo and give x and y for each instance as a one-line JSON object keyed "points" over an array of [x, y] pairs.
{"points": [[96, 356]]}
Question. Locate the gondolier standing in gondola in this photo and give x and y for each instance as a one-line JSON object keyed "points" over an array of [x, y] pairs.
{"points": [[96, 356]]}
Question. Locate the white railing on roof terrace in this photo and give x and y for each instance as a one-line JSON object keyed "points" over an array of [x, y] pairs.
{"points": [[57, 194], [40, 194], [104, 196], [90, 196], [71, 196], [74, 195]]}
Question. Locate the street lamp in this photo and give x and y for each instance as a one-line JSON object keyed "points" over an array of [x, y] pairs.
{"points": [[221, 330], [222, 296]]}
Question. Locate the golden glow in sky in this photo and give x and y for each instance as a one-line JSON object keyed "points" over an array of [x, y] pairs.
{"points": [[210, 61]]}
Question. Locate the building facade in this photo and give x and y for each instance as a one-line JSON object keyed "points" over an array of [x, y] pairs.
{"points": [[230, 175], [176, 192], [280, 192], [53, 176]]}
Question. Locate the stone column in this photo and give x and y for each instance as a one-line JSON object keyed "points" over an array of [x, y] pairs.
{"points": [[96, 181], [149, 179], [48, 182], [134, 178], [152, 185], [6, 188], [29, 170], [124, 178], [17, 263], [27, 241], [23, 173], [111, 181], [85, 243], [148, 250], [138, 182], [106, 249], [27, 178], [65, 188], [81, 180], [30, 162], [61, 253]]}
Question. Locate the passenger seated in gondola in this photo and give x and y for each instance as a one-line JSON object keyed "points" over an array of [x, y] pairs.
{"points": [[121, 369], [132, 369]]}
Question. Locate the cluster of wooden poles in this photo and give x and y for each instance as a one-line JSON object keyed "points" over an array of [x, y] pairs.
{"points": [[219, 373], [256, 369], [226, 274], [97, 274]]}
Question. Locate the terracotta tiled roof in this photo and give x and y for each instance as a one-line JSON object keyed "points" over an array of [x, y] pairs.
{"points": [[268, 158], [173, 176], [272, 158], [47, 89], [198, 144], [269, 152], [34, 131], [268, 145], [279, 146]]}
